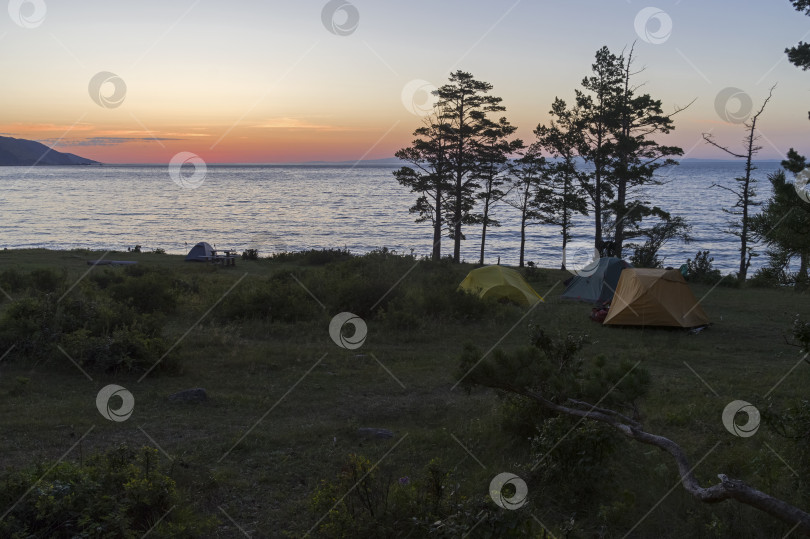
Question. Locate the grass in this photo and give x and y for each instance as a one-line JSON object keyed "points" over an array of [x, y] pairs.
{"points": [[285, 403]]}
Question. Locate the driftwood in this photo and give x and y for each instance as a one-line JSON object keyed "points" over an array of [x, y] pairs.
{"points": [[727, 489]]}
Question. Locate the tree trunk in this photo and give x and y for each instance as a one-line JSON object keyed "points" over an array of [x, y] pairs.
{"points": [[597, 209], [744, 259], [457, 223], [437, 228], [484, 229], [522, 236], [564, 235], [802, 277], [622, 179]]}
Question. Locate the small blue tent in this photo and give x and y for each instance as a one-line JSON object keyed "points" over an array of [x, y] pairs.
{"points": [[199, 253], [600, 285]]}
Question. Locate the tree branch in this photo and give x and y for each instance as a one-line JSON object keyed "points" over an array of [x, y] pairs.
{"points": [[727, 489]]}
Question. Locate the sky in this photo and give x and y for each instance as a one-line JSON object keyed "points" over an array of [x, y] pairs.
{"points": [[282, 81]]}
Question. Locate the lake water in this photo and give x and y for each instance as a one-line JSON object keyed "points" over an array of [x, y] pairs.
{"points": [[276, 208]]}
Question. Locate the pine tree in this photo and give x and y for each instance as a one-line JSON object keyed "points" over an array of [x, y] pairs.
{"points": [[465, 105], [491, 173], [784, 222], [562, 194], [636, 157], [428, 175], [596, 105], [527, 174]]}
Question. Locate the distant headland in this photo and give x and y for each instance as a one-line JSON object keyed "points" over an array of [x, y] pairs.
{"points": [[21, 152]]}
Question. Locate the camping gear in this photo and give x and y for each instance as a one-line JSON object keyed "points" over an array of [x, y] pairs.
{"points": [[598, 314], [498, 282], [599, 286], [654, 297], [202, 252]]}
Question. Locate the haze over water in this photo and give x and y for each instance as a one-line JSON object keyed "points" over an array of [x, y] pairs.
{"points": [[277, 208]]}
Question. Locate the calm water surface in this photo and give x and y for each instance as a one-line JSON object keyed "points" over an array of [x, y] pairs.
{"points": [[275, 208]]}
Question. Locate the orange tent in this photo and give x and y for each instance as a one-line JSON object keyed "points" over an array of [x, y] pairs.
{"points": [[654, 297]]}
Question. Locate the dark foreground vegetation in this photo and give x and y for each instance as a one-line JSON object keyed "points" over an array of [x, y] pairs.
{"points": [[282, 445]]}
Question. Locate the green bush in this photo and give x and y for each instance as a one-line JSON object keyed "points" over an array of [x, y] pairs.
{"points": [[117, 328], [12, 280], [363, 501], [147, 292], [570, 448], [313, 257], [701, 269], [277, 299], [121, 493]]}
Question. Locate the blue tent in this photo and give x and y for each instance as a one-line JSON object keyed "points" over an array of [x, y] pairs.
{"points": [[600, 285], [199, 253]]}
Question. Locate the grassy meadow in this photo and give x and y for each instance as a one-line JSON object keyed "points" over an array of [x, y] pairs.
{"points": [[285, 403]]}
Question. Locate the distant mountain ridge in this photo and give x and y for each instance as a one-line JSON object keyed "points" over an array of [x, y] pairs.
{"points": [[22, 152]]}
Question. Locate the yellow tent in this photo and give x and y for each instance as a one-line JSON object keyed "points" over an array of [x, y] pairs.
{"points": [[498, 282], [654, 297]]}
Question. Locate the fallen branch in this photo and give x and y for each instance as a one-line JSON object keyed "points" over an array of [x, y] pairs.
{"points": [[727, 489]]}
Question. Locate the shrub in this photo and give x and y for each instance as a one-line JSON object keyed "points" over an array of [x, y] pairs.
{"points": [[121, 493], [146, 292], [363, 501], [701, 269], [11, 280], [278, 299], [116, 329], [250, 254], [313, 257], [572, 448]]}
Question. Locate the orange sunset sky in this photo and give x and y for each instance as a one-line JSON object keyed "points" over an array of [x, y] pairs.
{"points": [[275, 82]]}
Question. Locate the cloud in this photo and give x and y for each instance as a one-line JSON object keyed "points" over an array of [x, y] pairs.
{"points": [[102, 141], [294, 123]]}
